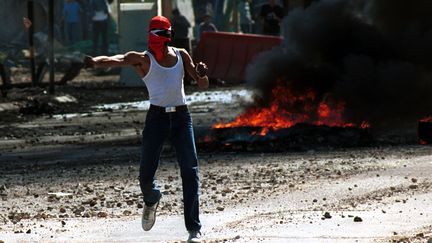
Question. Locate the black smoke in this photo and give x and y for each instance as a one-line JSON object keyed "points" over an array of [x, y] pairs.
{"points": [[375, 55]]}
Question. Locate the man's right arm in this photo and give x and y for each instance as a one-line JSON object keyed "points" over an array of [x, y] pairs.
{"points": [[112, 61], [138, 61], [105, 61]]}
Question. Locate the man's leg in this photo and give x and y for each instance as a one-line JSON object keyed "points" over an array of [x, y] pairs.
{"points": [[155, 131], [153, 136], [184, 143]]}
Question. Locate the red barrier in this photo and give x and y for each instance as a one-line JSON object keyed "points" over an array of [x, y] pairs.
{"points": [[228, 54]]}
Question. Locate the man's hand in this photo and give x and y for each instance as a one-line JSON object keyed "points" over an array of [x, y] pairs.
{"points": [[88, 62], [201, 69]]}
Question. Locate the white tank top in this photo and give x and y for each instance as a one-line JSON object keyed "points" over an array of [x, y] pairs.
{"points": [[165, 84]]}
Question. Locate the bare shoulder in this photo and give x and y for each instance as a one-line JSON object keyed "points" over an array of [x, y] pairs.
{"points": [[185, 55], [182, 51], [136, 57]]}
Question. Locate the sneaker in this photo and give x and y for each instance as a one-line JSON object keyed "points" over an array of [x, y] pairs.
{"points": [[149, 216], [194, 237]]}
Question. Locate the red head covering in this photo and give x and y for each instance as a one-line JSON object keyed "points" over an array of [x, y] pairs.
{"points": [[157, 42], [159, 22]]}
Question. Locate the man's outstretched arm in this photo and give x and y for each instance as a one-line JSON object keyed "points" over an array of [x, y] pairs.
{"points": [[105, 61], [130, 58]]}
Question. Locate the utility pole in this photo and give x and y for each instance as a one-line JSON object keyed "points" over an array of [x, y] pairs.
{"points": [[51, 44], [30, 16]]}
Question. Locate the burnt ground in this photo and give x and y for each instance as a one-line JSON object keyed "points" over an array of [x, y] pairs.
{"points": [[74, 178]]}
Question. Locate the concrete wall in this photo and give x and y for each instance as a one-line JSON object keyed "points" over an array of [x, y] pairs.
{"points": [[133, 36]]}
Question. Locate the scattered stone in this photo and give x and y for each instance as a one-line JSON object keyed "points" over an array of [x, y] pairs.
{"points": [[3, 191], [35, 106], [89, 189], [118, 189], [413, 186], [127, 213], [220, 208], [358, 219], [16, 217], [102, 215], [420, 235], [327, 215], [28, 231], [63, 223], [65, 99], [414, 180], [78, 211], [226, 190]]}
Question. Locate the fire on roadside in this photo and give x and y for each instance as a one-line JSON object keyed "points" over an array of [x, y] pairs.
{"points": [[287, 109]]}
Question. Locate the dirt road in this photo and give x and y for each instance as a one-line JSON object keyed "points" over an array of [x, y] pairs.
{"points": [[73, 177], [365, 195]]}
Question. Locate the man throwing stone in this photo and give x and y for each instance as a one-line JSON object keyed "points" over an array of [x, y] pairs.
{"points": [[161, 68]]}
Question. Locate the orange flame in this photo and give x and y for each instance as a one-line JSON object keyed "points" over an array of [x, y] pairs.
{"points": [[304, 109]]}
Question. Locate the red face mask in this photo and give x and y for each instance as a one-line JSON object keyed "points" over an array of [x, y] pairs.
{"points": [[159, 35]]}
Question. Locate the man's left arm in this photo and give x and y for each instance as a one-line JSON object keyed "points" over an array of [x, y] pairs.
{"points": [[197, 72]]}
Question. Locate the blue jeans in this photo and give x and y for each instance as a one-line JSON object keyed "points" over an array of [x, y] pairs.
{"points": [[177, 126]]}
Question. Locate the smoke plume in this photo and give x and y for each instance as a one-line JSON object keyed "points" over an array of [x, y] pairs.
{"points": [[374, 55]]}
